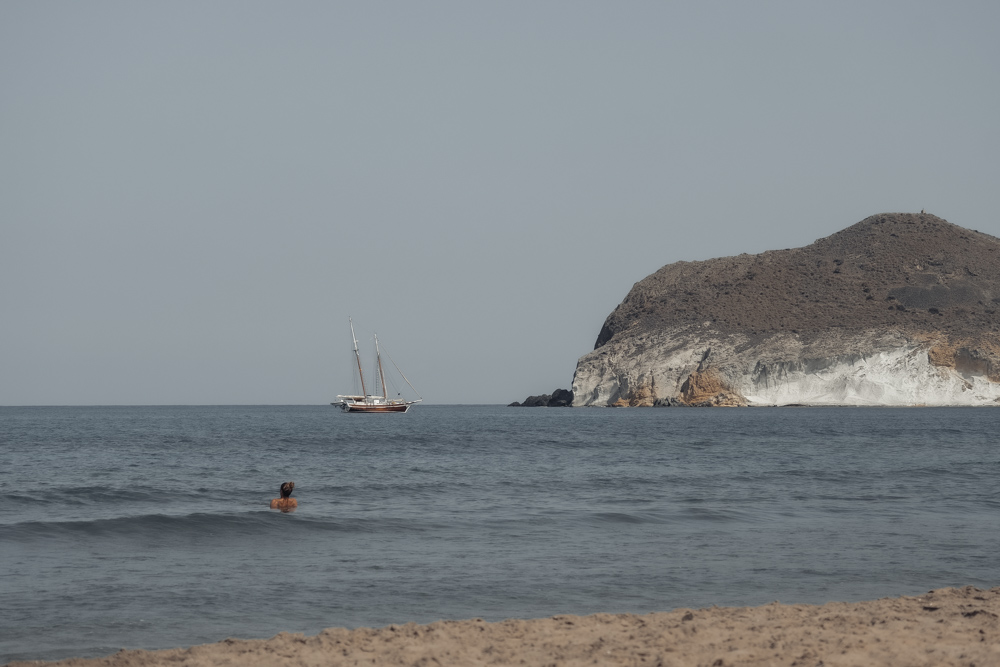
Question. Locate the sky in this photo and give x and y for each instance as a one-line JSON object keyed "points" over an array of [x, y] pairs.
{"points": [[196, 196]]}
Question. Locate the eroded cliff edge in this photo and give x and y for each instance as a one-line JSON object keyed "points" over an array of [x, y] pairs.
{"points": [[898, 309]]}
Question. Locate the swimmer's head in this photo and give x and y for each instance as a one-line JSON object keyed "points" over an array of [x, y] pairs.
{"points": [[286, 489]]}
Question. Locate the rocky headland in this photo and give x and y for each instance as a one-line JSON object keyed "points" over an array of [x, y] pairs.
{"points": [[898, 309]]}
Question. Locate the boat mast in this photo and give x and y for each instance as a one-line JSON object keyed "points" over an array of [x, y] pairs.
{"points": [[378, 358], [357, 355]]}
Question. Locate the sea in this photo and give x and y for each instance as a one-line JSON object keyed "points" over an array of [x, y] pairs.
{"points": [[150, 527]]}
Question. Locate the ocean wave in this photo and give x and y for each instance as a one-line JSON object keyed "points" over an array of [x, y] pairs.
{"points": [[249, 524], [626, 518], [145, 525]]}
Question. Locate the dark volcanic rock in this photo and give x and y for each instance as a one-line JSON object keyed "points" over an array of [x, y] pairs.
{"points": [[536, 401], [560, 398]]}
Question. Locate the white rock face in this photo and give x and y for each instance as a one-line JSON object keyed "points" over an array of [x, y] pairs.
{"points": [[900, 377], [696, 365]]}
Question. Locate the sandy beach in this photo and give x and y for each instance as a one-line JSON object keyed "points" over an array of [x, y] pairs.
{"points": [[944, 627]]}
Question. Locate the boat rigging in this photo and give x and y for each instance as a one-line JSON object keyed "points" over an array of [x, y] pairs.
{"points": [[374, 402]]}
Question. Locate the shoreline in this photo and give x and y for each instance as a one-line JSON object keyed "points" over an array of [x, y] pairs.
{"points": [[948, 626]]}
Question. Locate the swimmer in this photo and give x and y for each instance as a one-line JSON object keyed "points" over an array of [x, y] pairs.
{"points": [[285, 503]]}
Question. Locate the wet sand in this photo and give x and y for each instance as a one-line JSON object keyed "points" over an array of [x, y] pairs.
{"points": [[944, 627]]}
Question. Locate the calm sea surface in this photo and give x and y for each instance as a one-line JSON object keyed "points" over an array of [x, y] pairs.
{"points": [[149, 527]]}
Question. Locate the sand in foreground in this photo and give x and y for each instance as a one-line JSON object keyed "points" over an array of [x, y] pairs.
{"points": [[945, 627]]}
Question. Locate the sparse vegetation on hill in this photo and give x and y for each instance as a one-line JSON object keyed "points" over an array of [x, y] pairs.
{"points": [[903, 271]]}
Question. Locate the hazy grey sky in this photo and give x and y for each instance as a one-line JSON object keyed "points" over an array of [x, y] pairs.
{"points": [[194, 196]]}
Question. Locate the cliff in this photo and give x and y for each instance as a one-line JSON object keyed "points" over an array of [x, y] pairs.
{"points": [[898, 309]]}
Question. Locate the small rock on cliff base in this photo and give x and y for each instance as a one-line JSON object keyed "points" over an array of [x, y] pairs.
{"points": [[560, 398]]}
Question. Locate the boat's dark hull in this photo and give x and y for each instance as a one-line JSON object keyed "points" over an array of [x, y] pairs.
{"points": [[373, 408], [377, 408]]}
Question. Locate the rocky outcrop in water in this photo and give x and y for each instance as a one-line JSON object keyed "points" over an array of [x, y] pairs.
{"points": [[898, 309], [560, 398]]}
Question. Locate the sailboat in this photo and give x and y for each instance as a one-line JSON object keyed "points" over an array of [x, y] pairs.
{"points": [[366, 402]]}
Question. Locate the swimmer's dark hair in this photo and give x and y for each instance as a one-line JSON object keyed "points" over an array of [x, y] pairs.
{"points": [[286, 489]]}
